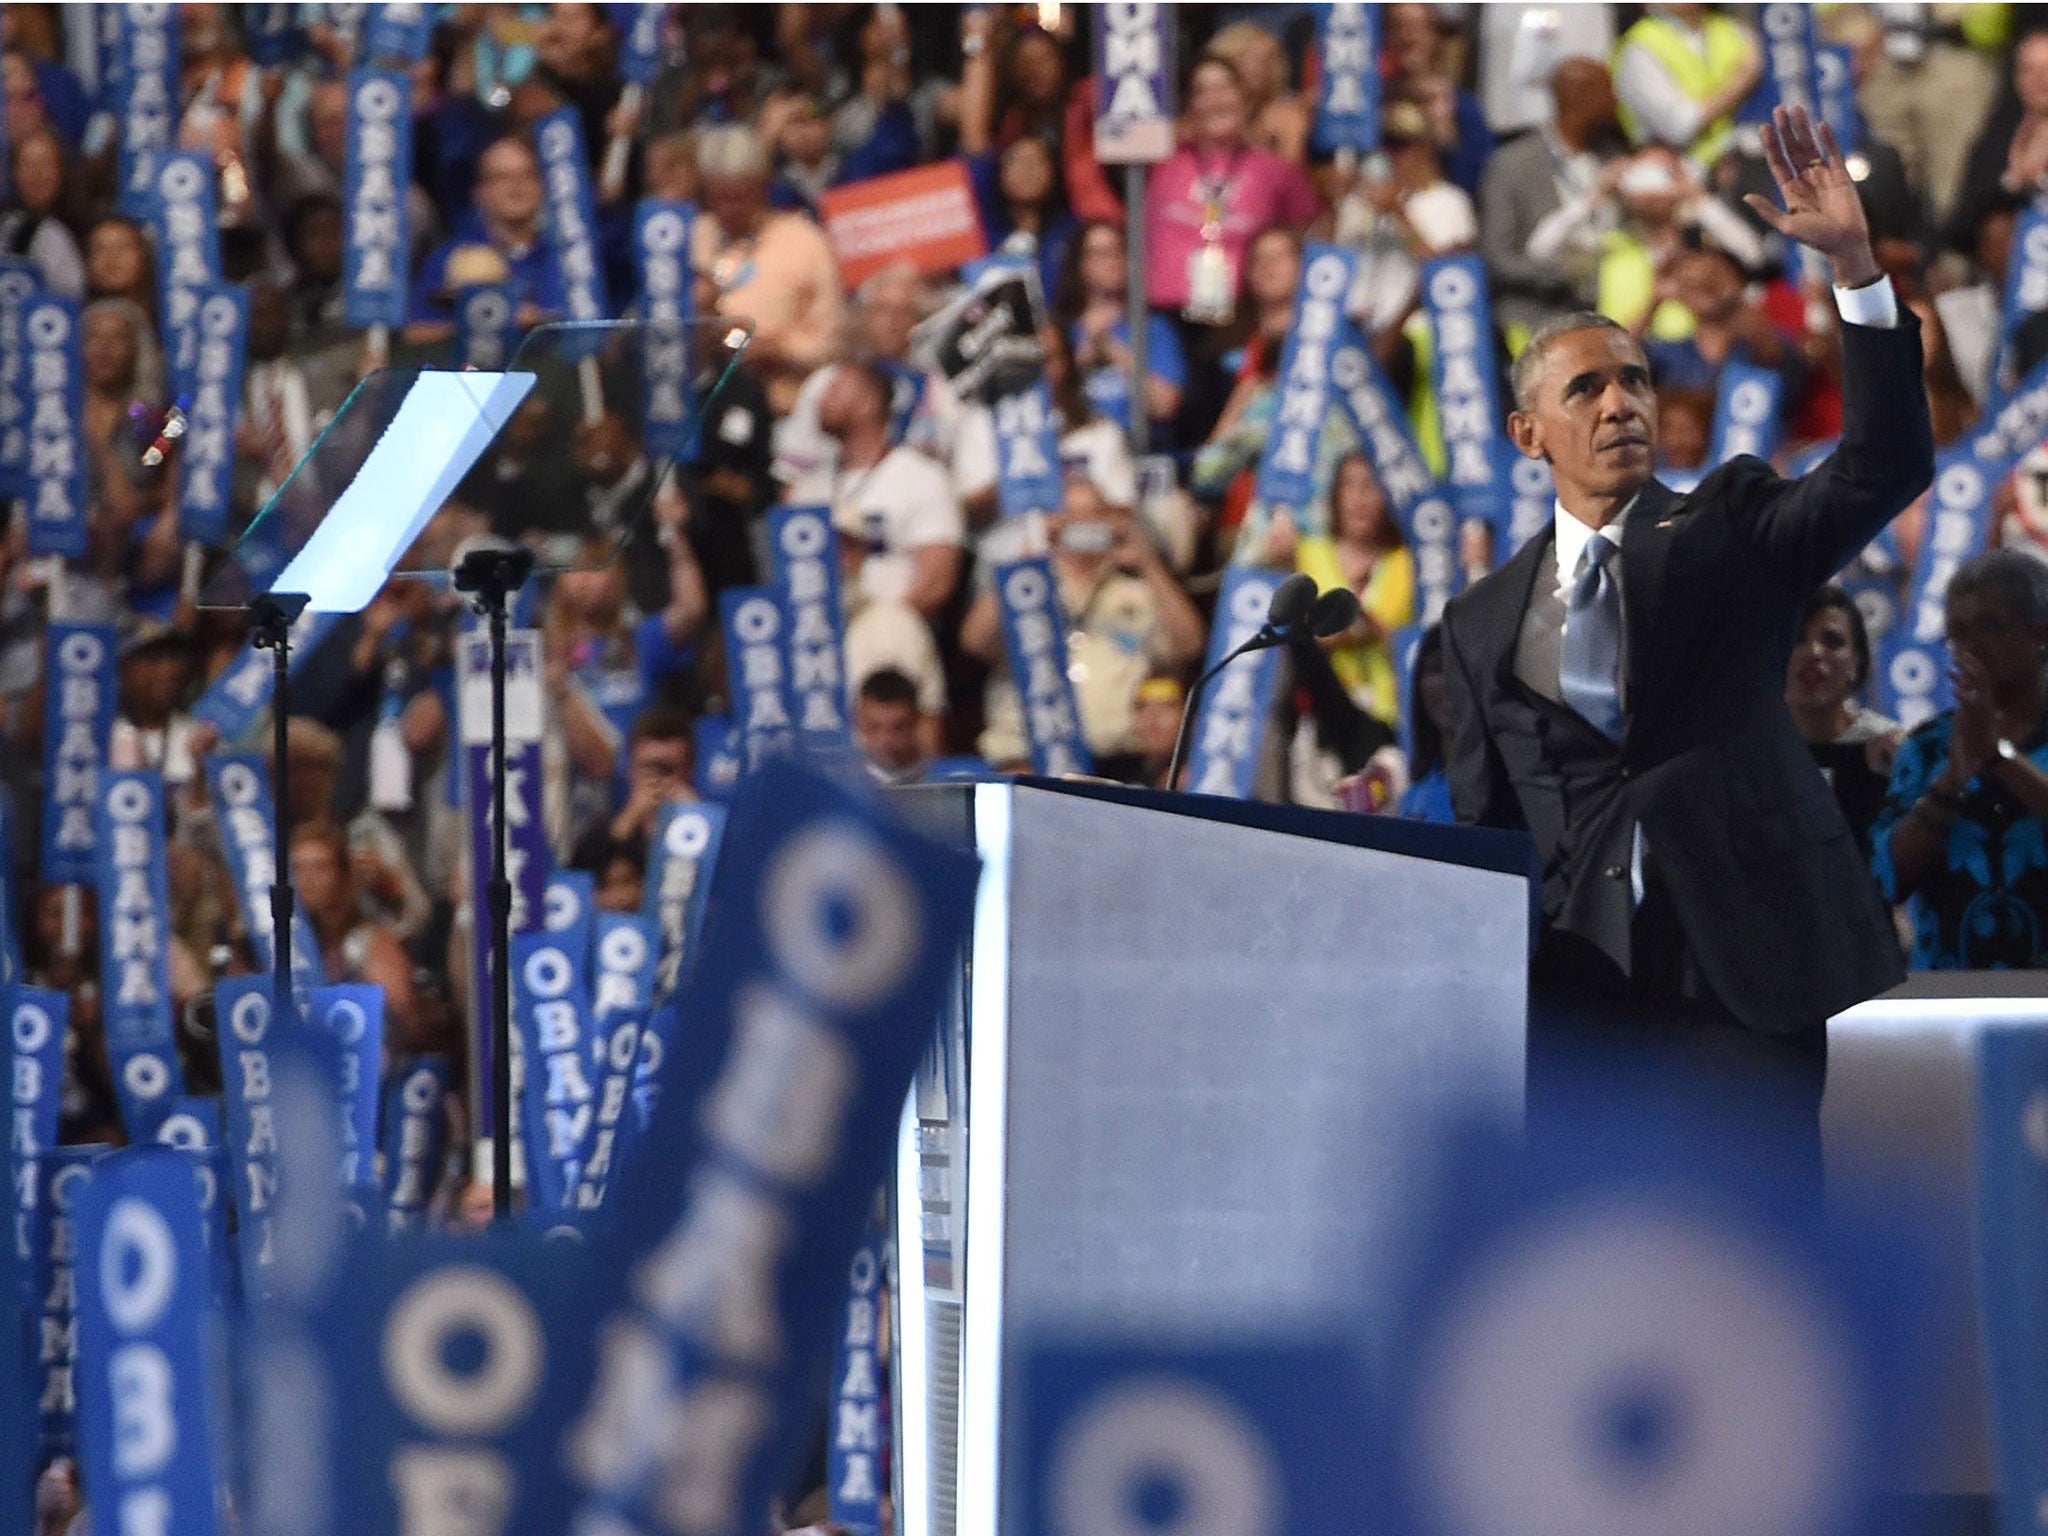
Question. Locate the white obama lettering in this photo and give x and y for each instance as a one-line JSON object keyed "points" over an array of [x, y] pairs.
{"points": [[443, 1489], [1134, 61], [806, 544], [54, 463], [1039, 662], [1230, 724], [376, 213]]}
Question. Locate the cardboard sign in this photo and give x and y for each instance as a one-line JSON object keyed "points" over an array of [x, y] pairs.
{"points": [[926, 217]]}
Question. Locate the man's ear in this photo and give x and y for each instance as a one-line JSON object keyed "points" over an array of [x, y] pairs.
{"points": [[1526, 435]]}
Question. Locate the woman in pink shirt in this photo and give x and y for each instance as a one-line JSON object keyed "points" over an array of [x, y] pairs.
{"points": [[1206, 202]]}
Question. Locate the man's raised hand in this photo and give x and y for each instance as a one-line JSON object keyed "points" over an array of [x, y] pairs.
{"points": [[1821, 208]]}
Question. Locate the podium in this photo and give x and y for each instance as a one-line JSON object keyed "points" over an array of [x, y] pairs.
{"points": [[1184, 1026]]}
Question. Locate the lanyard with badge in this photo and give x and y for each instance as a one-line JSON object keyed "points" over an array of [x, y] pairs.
{"points": [[1210, 297]]}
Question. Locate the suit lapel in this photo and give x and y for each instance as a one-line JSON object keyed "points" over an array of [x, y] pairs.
{"points": [[1510, 589], [1645, 554]]}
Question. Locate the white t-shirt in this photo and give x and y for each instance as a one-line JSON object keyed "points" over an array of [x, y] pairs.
{"points": [[1096, 449], [901, 504], [807, 457]]}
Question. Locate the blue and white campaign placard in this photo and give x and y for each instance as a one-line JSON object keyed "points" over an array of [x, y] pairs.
{"points": [[827, 952], [640, 30], [1224, 756], [805, 551], [1913, 673], [197, 1127], [78, 722], [54, 478], [62, 1172], [1533, 504], [571, 214], [551, 1005], [1134, 75], [1748, 408], [247, 1030], [353, 1014], [656, 1036], [1834, 80], [398, 31], [680, 859], [755, 671], [2026, 282], [661, 255], [415, 1139], [375, 264], [272, 34], [238, 786], [36, 1024], [486, 326], [615, 1053], [206, 462], [570, 910], [1245, 1436], [623, 962], [1655, 1318], [1788, 79], [1287, 468], [527, 861], [853, 1439], [2012, 1185], [187, 256], [1429, 523], [1466, 378], [135, 966], [145, 96], [20, 281], [235, 699], [1035, 640], [1348, 95], [146, 1436], [1029, 477]]}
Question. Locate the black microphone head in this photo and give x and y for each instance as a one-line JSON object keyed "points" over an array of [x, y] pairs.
{"points": [[1291, 600], [1332, 613]]}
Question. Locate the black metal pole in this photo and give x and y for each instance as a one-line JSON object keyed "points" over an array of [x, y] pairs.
{"points": [[490, 576], [501, 935], [271, 617]]}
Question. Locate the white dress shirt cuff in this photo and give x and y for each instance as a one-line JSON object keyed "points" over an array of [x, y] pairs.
{"points": [[1874, 304]]}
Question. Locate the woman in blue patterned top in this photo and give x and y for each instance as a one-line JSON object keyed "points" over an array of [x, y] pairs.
{"points": [[1960, 837]]}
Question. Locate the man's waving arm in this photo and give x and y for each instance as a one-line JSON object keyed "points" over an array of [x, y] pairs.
{"points": [[1886, 455]]}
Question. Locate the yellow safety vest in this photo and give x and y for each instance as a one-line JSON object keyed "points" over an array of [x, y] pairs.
{"points": [[1697, 77]]}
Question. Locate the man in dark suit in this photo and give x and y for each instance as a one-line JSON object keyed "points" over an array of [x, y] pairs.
{"points": [[1617, 689]]}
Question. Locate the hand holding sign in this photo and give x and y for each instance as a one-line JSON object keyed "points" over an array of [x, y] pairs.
{"points": [[1822, 208]]}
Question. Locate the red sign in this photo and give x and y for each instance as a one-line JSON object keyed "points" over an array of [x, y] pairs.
{"points": [[926, 217]]}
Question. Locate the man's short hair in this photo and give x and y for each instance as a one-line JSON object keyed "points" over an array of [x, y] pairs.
{"points": [[2017, 582], [886, 685], [1529, 366], [732, 149]]}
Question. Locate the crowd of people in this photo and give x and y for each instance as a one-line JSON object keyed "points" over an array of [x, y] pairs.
{"points": [[1594, 156]]}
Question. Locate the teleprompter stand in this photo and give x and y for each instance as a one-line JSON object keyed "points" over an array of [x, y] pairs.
{"points": [[271, 616], [489, 577]]}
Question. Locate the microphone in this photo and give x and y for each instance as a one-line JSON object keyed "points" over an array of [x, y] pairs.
{"points": [[1290, 615], [1331, 614]]}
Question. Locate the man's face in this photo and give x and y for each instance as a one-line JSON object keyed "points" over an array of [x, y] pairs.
{"points": [[887, 317], [888, 733], [1709, 287], [1594, 414], [571, 40], [508, 184], [661, 767]]}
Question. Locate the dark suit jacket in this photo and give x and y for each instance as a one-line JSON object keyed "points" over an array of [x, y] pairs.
{"points": [[1778, 913]]}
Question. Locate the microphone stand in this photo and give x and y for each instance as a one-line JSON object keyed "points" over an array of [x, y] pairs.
{"points": [[490, 577], [1266, 637], [271, 617]]}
